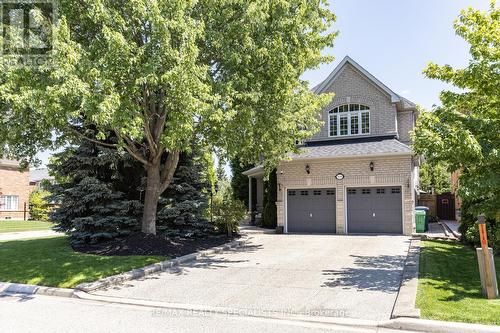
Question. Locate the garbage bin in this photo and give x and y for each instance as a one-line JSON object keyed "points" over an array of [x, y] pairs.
{"points": [[426, 210], [420, 220]]}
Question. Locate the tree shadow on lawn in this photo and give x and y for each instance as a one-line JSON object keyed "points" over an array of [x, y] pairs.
{"points": [[52, 262], [373, 273], [453, 268]]}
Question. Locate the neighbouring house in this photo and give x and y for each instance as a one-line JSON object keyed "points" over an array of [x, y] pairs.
{"points": [[359, 173], [40, 177], [15, 190]]}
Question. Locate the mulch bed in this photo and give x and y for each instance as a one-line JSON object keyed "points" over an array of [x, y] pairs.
{"points": [[142, 244]]}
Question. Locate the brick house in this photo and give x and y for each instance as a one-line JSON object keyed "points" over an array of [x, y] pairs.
{"points": [[14, 191], [358, 174]]}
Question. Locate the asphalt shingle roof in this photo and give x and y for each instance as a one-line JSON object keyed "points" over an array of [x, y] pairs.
{"points": [[353, 149], [38, 175]]}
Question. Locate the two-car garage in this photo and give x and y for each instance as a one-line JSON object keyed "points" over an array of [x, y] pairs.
{"points": [[368, 210]]}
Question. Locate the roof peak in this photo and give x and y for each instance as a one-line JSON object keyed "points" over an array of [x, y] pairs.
{"points": [[395, 98]]}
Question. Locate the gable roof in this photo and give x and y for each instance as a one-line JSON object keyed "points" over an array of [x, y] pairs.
{"points": [[37, 175], [395, 98]]}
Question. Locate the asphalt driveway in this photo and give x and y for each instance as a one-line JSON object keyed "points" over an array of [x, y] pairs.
{"points": [[329, 275]]}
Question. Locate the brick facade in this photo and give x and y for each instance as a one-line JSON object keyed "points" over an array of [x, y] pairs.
{"points": [[405, 123], [14, 183], [388, 171]]}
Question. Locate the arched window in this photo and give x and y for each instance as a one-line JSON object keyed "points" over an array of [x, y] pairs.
{"points": [[349, 119]]}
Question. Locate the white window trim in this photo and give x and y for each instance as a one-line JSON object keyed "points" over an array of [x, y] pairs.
{"points": [[3, 203], [349, 114]]}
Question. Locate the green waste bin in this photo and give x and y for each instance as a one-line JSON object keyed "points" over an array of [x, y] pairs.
{"points": [[426, 209], [420, 220]]}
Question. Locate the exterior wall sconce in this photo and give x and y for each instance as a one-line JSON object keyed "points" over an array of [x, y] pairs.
{"points": [[308, 169], [281, 172], [408, 183], [279, 187], [372, 166]]}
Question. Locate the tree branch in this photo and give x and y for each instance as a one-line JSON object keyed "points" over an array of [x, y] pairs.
{"points": [[130, 147], [104, 144], [168, 171]]}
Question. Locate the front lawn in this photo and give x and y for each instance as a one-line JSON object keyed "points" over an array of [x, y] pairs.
{"points": [[52, 262], [449, 286], [16, 226]]}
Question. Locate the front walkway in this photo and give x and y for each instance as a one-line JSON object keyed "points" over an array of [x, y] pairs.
{"points": [[341, 276]]}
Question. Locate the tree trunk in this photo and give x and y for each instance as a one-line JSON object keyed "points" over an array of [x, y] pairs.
{"points": [[151, 199]]}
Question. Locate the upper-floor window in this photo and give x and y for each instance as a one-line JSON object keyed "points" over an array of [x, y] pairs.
{"points": [[9, 202], [349, 119]]}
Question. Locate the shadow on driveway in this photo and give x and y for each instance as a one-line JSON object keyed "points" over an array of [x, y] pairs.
{"points": [[379, 273]]}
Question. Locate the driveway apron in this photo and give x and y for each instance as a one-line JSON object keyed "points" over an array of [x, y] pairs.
{"points": [[354, 276]]}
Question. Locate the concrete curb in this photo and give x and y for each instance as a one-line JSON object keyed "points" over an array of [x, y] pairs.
{"points": [[256, 313], [28, 289], [159, 267], [434, 326], [409, 324], [407, 294]]}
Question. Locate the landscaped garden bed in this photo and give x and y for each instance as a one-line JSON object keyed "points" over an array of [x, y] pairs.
{"points": [[142, 244], [449, 285]]}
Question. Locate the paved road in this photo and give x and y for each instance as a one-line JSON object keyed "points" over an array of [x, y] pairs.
{"points": [[42, 314], [28, 234], [341, 276]]}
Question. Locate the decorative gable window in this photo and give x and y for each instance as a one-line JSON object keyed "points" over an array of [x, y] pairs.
{"points": [[349, 119]]}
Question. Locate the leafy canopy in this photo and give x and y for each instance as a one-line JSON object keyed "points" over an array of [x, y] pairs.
{"points": [[435, 178], [157, 73], [464, 131]]}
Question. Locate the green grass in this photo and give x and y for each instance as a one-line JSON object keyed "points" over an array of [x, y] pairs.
{"points": [[16, 226], [449, 285], [52, 262]]}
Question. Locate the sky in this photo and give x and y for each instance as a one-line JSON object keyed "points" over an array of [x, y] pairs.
{"points": [[394, 40]]}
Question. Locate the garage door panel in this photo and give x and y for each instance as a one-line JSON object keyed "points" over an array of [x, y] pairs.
{"points": [[374, 210], [311, 210]]}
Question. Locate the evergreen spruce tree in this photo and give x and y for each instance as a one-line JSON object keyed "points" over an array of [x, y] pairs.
{"points": [[91, 208], [101, 195], [184, 204]]}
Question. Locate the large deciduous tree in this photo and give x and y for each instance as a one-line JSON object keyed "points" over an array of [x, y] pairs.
{"points": [[464, 131], [159, 73]]}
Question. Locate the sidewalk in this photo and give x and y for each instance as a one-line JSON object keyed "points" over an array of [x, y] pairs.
{"points": [[435, 231], [28, 234]]}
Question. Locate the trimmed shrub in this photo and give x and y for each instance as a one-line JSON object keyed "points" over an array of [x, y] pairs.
{"points": [[227, 211], [39, 205], [269, 214]]}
